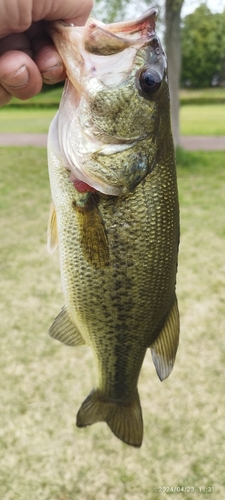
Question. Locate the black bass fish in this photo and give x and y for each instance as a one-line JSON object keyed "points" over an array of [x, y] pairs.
{"points": [[115, 214]]}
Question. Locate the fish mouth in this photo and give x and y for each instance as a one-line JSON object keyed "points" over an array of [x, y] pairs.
{"points": [[80, 48], [104, 38], [77, 44]]}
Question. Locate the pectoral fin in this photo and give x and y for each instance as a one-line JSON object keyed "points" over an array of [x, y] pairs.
{"points": [[93, 237], [165, 346], [64, 330], [52, 233]]}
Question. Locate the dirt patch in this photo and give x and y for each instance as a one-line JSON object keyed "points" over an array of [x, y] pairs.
{"points": [[204, 143], [38, 140], [190, 143]]}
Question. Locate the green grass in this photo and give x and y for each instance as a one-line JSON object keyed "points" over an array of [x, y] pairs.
{"points": [[202, 96], [49, 98], [43, 456], [22, 120], [202, 120], [194, 119]]}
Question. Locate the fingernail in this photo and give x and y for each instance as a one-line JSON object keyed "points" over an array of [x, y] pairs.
{"points": [[17, 80], [53, 73]]}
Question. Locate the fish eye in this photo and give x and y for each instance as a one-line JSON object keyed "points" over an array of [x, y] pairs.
{"points": [[149, 81]]}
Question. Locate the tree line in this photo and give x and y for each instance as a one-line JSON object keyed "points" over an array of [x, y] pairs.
{"points": [[203, 48], [195, 46]]}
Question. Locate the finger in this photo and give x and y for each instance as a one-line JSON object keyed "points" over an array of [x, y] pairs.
{"points": [[17, 15], [16, 41], [19, 75], [50, 65], [5, 97], [72, 11], [45, 54]]}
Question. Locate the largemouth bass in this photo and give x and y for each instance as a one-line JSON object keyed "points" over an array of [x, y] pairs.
{"points": [[115, 211]]}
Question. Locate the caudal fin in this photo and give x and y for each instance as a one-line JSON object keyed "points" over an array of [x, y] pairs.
{"points": [[124, 419]]}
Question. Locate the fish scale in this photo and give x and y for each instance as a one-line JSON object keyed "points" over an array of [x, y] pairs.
{"points": [[118, 253]]}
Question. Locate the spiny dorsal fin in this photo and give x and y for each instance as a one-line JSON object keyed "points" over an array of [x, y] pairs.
{"points": [[52, 233], [165, 346], [64, 330]]}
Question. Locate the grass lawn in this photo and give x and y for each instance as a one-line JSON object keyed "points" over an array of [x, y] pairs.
{"points": [[43, 456], [210, 95], [202, 120], [35, 114], [22, 120], [195, 120]]}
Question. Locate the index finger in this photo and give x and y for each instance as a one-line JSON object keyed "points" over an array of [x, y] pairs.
{"points": [[75, 12], [17, 15]]}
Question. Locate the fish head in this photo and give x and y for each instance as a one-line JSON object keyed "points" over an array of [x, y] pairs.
{"points": [[114, 101]]}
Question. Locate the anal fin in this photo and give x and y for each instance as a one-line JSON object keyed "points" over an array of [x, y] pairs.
{"points": [[165, 346], [64, 330], [124, 419]]}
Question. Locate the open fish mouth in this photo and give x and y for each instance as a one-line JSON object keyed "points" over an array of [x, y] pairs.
{"points": [[109, 38], [102, 139], [81, 46]]}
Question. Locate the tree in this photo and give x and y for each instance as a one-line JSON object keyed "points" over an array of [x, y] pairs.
{"points": [[203, 47], [173, 49], [111, 11]]}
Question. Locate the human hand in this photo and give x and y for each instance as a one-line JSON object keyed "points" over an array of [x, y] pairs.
{"points": [[27, 55]]}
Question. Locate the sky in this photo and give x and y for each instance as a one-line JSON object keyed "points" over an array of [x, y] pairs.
{"points": [[191, 5]]}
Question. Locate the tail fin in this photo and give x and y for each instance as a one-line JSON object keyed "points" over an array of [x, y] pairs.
{"points": [[124, 419]]}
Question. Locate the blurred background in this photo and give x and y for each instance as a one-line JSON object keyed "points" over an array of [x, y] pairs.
{"points": [[43, 456]]}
